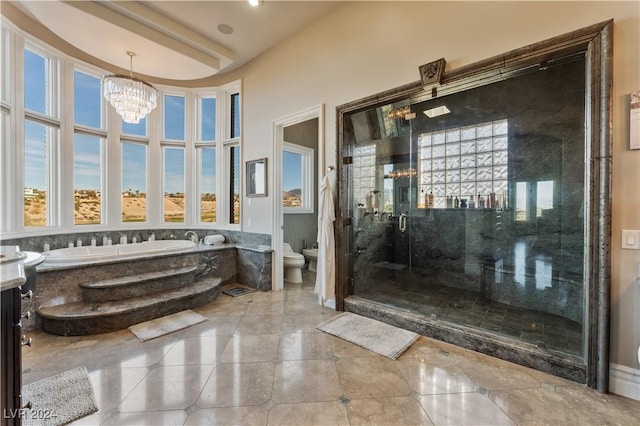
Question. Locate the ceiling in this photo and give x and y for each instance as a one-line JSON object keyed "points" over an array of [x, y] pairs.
{"points": [[177, 40]]}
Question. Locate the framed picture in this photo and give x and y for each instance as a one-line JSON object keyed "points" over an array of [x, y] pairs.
{"points": [[257, 178]]}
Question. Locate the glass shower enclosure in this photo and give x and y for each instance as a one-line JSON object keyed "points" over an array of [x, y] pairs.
{"points": [[468, 215]]}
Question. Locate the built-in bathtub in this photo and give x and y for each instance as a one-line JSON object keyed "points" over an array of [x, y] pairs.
{"points": [[96, 254]]}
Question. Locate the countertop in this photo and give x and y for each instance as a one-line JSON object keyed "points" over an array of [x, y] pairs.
{"points": [[12, 268]]}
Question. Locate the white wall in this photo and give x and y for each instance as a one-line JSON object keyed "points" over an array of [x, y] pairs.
{"points": [[362, 48]]}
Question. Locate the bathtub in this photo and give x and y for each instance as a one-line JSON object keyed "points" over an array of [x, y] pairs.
{"points": [[118, 251]]}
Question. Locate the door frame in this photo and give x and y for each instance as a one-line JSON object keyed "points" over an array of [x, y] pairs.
{"points": [[277, 238]]}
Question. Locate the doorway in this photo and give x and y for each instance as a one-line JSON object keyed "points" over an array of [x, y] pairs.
{"points": [[296, 134]]}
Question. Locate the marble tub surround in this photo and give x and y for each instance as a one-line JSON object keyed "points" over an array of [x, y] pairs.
{"points": [[255, 266], [55, 241], [60, 284]]}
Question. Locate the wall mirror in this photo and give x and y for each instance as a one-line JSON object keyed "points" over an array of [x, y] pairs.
{"points": [[256, 178], [480, 205]]}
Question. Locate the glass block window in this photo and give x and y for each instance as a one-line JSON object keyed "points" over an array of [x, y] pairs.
{"points": [[364, 172], [465, 162]]}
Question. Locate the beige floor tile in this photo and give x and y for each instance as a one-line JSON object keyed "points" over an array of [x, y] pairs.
{"points": [[387, 411], [296, 346], [111, 385], [557, 406], [371, 377], [167, 388], [464, 409], [259, 324], [303, 322], [251, 348], [298, 375], [306, 381], [195, 350], [309, 414], [247, 416], [498, 375], [216, 326], [427, 379], [265, 307], [155, 418], [238, 384]]}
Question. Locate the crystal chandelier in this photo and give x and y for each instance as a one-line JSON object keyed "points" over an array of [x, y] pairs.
{"points": [[133, 99]]}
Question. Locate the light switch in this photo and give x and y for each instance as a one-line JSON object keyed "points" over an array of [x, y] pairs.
{"points": [[631, 239]]}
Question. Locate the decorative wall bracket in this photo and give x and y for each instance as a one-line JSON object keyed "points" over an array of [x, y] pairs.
{"points": [[431, 73]]}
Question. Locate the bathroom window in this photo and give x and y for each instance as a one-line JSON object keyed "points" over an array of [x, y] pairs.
{"points": [[88, 146], [466, 162], [173, 184], [233, 164], [207, 184], [87, 100], [135, 129], [87, 179], [134, 182], [174, 117], [206, 118], [364, 173], [297, 179], [41, 136], [39, 142]]}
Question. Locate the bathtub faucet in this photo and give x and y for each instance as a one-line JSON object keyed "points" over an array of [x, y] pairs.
{"points": [[194, 236]]}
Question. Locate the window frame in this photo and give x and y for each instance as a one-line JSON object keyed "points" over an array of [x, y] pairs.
{"points": [[307, 179]]}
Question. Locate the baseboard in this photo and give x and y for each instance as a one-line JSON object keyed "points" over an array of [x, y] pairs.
{"points": [[624, 381]]}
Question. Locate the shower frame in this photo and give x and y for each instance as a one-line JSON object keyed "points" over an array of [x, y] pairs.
{"points": [[596, 43]]}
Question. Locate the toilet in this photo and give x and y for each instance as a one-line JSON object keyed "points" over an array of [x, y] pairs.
{"points": [[293, 263], [312, 256]]}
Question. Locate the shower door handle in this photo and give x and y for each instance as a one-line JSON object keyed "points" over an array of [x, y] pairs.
{"points": [[402, 222]]}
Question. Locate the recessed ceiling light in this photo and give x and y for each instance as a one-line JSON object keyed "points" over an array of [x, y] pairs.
{"points": [[437, 111], [255, 3], [225, 29]]}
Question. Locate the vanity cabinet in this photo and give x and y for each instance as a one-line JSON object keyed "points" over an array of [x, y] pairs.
{"points": [[11, 347]]}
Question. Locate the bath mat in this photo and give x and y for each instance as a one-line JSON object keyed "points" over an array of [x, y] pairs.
{"points": [[165, 325], [237, 291], [59, 399], [371, 334]]}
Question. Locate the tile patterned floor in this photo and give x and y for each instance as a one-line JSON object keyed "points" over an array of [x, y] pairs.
{"points": [[259, 360]]}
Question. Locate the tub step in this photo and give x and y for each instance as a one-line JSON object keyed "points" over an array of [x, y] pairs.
{"points": [[124, 288], [84, 318]]}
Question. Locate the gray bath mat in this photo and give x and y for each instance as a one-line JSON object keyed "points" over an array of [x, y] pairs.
{"points": [[237, 291], [59, 399], [167, 324], [371, 334]]}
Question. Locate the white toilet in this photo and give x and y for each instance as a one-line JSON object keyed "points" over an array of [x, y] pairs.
{"points": [[312, 256], [293, 263]]}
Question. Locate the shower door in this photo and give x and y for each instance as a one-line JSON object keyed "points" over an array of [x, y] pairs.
{"points": [[384, 196]]}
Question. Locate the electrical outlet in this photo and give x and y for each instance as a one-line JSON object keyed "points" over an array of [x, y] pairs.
{"points": [[631, 239]]}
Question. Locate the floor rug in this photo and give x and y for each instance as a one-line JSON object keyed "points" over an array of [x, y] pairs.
{"points": [[59, 399], [237, 291], [371, 334], [165, 325]]}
